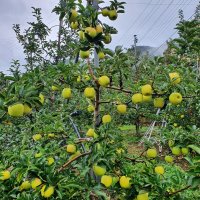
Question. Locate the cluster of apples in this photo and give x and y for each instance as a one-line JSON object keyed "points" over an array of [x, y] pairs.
{"points": [[19, 109], [175, 98], [176, 150], [90, 33], [46, 191]]}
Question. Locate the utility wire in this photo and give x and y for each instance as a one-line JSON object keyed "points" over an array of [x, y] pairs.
{"points": [[146, 18], [135, 21], [172, 19], [170, 37], [151, 14], [156, 21]]}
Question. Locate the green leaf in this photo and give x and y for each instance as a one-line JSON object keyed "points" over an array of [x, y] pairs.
{"points": [[101, 194], [127, 127], [195, 148]]}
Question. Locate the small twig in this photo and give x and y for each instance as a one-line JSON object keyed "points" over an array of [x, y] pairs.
{"points": [[134, 160], [120, 89], [83, 140], [173, 193], [72, 160], [190, 97], [105, 102]]}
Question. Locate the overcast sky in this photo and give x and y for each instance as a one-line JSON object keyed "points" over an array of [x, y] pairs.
{"points": [[152, 20]]}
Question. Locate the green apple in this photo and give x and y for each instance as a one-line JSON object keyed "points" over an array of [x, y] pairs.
{"points": [[107, 39], [74, 15], [84, 54], [74, 25], [81, 35], [99, 29], [184, 151], [169, 159], [105, 12], [101, 55], [112, 14], [91, 32], [176, 151]]}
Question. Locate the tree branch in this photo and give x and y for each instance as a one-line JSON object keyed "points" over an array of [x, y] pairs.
{"points": [[72, 160], [173, 193], [120, 89]]}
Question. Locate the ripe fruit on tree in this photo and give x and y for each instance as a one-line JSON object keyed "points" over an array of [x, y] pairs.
{"points": [[90, 132], [90, 92], [106, 119], [119, 151], [112, 14], [16, 110], [175, 124], [159, 170], [169, 159], [137, 98], [125, 182], [71, 148], [99, 29], [87, 77], [171, 143], [121, 108], [74, 15], [147, 90], [41, 96], [81, 35], [143, 196], [184, 151], [78, 80], [159, 102], [101, 55], [106, 180], [103, 81], [74, 25], [51, 135], [105, 12], [38, 155], [66, 93], [35, 183], [107, 39], [90, 108], [27, 109], [50, 160], [25, 186], [84, 54], [54, 88], [176, 151], [47, 192], [175, 77], [151, 153], [37, 137], [4, 175], [99, 171], [91, 31], [175, 98], [146, 98]]}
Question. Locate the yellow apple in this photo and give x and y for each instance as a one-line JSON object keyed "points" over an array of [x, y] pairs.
{"points": [[74, 25], [107, 39], [105, 12], [112, 14], [84, 54]]}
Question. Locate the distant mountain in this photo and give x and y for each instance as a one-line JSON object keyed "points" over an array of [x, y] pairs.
{"points": [[152, 51]]}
